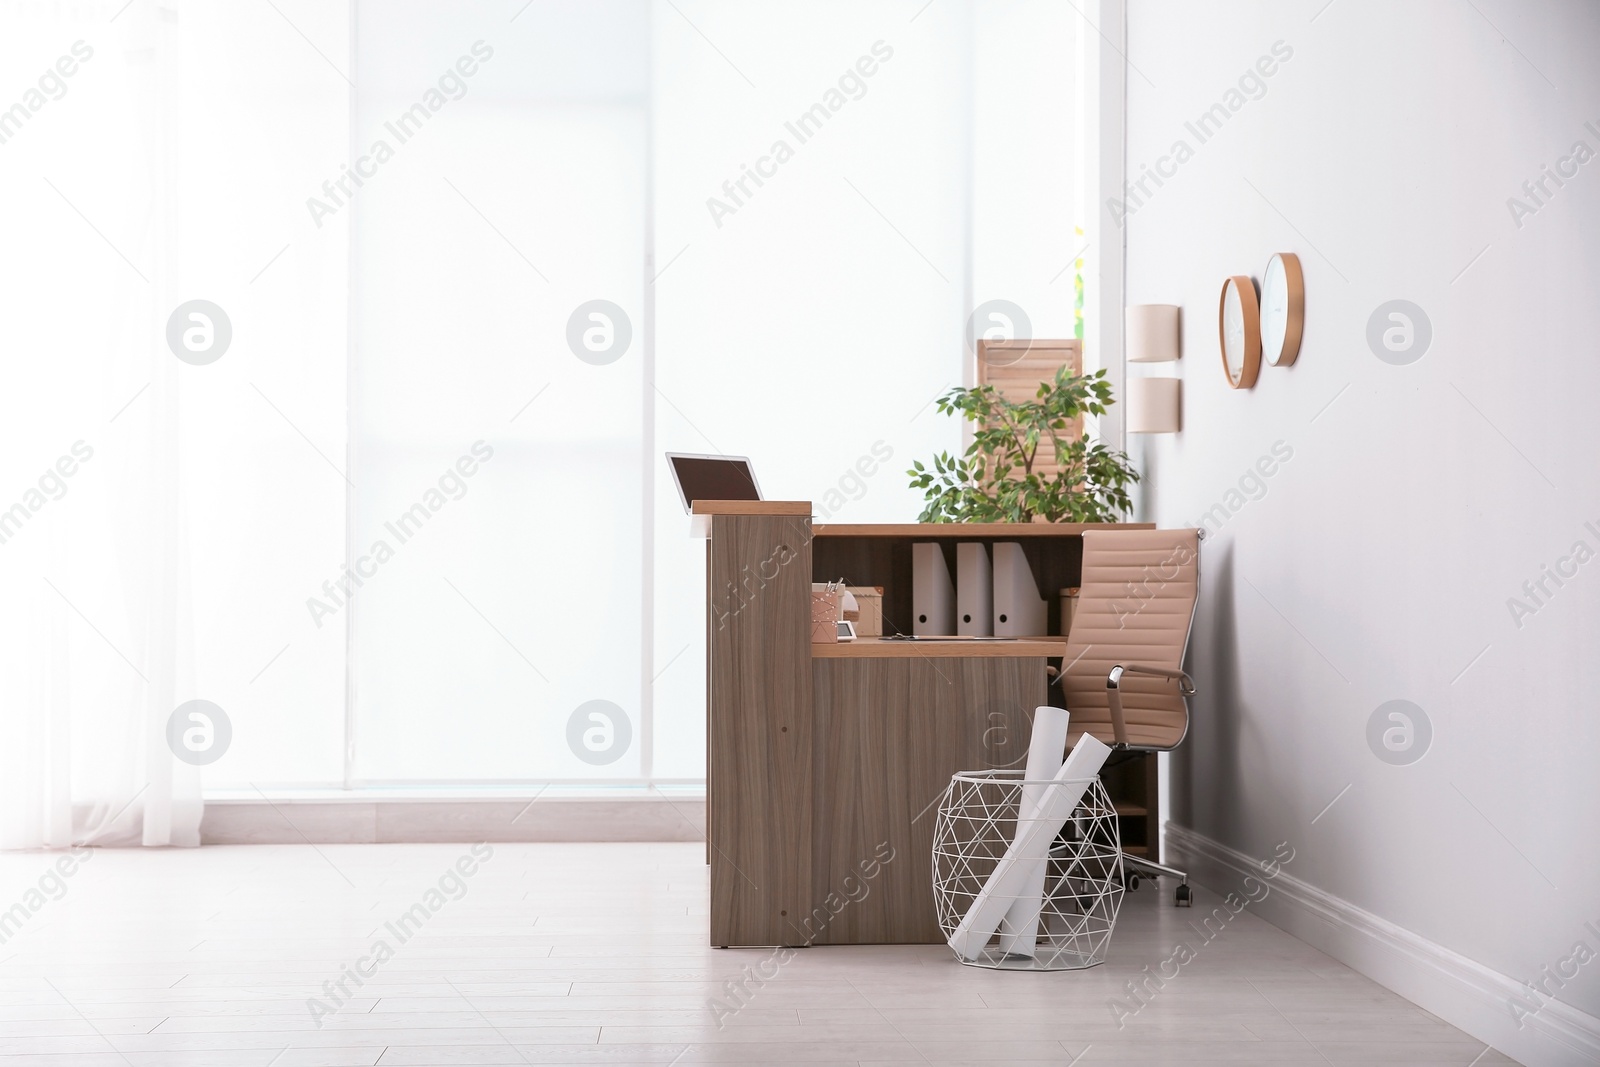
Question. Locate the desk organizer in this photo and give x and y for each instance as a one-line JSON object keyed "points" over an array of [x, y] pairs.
{"points": [[1083, 887], [825, 615]]}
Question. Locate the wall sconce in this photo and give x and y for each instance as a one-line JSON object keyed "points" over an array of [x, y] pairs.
{"points": [[1152, 332], [1155, 405]]}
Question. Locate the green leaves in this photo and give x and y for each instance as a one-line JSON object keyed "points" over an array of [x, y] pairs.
{"points": [[994, 480]]}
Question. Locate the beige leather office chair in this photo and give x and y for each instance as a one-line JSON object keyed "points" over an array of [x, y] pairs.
{"points": [[1123, 668]]}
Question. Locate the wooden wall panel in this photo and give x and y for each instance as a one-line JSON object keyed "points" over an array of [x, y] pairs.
{"points": [[1017, 368]]}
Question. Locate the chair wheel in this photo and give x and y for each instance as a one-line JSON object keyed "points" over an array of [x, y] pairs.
{"points": [[1185, 899], [1132, 881]]}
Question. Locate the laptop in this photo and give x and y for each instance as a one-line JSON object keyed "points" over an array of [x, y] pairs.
{"points": [[712, 478]]}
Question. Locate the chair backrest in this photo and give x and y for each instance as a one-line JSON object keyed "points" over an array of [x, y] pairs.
{"points": [[1135, 605]]}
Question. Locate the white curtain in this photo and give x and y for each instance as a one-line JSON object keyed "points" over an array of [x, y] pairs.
{"points": [[142, 495]]}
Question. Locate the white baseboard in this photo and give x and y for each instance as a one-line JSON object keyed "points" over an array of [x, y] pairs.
{"points": [[1462, 992], [362, 820]]}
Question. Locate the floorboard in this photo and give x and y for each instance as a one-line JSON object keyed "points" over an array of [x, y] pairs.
{"points": [[596, 954]]}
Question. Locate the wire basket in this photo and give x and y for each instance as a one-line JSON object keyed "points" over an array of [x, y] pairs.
{"points": [[1082, 875]]}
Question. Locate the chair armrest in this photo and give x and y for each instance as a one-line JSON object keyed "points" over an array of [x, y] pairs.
{"points": [[1114, 691], [1185, 683]]}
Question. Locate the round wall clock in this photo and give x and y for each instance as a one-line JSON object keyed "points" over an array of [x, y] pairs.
{"points": [[1283, 309], [1239, 329]]}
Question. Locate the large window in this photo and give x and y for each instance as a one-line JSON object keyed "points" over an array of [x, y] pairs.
{"points": [[485, 262], [503, 470]]}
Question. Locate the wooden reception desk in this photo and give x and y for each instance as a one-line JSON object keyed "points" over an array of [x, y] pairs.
{"points": [[826, 763]]}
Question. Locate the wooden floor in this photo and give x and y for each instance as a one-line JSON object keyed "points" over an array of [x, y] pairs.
{"points": [[596, 954]]}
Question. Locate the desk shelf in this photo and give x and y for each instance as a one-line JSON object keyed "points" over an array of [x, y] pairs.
{"points": [[881, 556], [879, 648]]}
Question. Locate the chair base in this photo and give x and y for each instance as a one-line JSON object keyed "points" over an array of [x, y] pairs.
{"points": [[1136, 865]]}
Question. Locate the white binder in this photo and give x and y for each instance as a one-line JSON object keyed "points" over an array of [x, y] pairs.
{"points": [[1019, 610], [974, 591], [933, 597]]}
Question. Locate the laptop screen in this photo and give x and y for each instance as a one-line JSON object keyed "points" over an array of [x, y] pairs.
{"points": [[713, 478]]}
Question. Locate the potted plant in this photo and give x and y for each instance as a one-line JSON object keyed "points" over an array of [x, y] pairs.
{"points": [[995, 480]]}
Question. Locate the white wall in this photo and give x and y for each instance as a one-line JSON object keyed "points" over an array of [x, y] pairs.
{"points": [[1377, 562]]}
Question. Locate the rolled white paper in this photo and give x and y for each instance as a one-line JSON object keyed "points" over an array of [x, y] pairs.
{"points": [[1055, 807], [1019, 930]]}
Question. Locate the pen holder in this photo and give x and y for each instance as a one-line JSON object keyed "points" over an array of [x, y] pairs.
{"points": [[824, 616]]}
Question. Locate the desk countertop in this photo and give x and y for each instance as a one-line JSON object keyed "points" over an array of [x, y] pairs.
{"points": [[700, 523], [878, 648], [967, 531]]}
